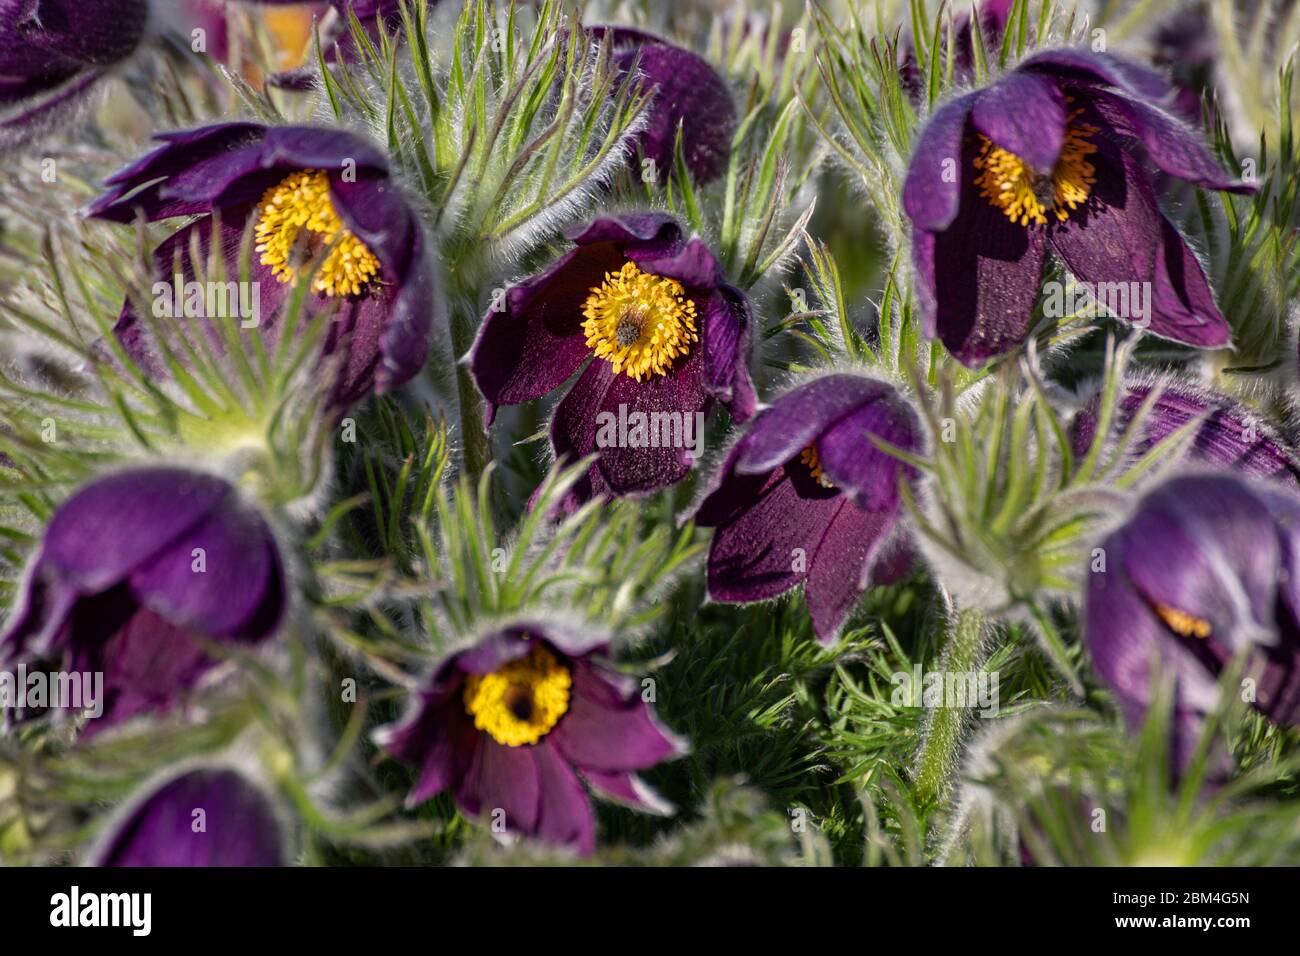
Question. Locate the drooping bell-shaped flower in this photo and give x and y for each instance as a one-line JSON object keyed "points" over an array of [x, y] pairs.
{"points": [[131, 570], [1206, 569], [306, 190], [205, 817], [1052, 156], [52, 52], [806, 497], [513, 725], [661, 334]]}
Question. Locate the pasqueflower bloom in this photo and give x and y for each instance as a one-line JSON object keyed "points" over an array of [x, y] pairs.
{"points": [[1048, 157], [53, 51], [1205, 569], [509, 723], [206, 817], [305, 190], [806, 497], [1230, 435], [658, 327], [135, 566], [688, 92]]}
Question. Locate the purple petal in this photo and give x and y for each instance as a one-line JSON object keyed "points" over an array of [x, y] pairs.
{"points": [[727, 324], [840, 569], [1025, 114], [932, 193], [627, 788], [238, 825], [650, 231], [97, 32], [1076, 63], [853, 463], [605, 730], [502, 778], [565, 817]]}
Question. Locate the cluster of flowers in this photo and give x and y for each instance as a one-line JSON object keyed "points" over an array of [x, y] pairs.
{"points": [[1056, 156]]}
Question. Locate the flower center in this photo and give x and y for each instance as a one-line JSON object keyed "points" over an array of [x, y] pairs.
{"points": [[1182, 623], [639, 323], [520, 702], [1025, 195], [302, 201], [810, 458]]}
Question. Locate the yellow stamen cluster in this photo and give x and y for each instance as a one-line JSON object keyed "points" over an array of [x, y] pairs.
{"points": [[810, 458], [302, 201], [522, 701], [639, 323], [1182, 623], [1025, 195]]}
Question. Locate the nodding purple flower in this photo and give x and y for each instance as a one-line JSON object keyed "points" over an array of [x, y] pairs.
{"points": [[53, 51], [660, 332], [688, 93], [302, 190], [205, 817], [516, 722], [1231, 434], [1047, 157], [132, 570], [806, 497], [1206, 568], [993, 17]]}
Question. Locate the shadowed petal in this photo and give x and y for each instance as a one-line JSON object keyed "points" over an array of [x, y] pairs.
{"points": [[932, 194], [839, 570], [502, 778], [565, 817]]}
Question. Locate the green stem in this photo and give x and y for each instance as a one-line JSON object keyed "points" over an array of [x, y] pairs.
{"points": [[475, 444], [940, 752]]}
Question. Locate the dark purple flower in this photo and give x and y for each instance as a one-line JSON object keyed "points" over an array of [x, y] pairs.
{"points": [[132, 568], [1046, 157], [1205, 568], [688, 92], [806, 497], [1231, 434], [993, 16], [1184, 45], [508, 724], [53, 51], [207, 817], [660, 331], [303, 188]]}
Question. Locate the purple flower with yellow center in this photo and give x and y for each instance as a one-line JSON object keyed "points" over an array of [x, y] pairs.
{"points": [[806, 497], [688, 94], [1052, 156], [134, 570], [213, 816], [660, 331], [1230, 434], [1204, 570], [52, 52], [517, 721], [308, 193]]}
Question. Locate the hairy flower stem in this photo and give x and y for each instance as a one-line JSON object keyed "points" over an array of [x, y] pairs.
{"points": [[476, 445], [940, 752]]}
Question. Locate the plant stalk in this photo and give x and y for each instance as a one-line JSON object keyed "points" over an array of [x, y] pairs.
{"points": [[940, 751]]}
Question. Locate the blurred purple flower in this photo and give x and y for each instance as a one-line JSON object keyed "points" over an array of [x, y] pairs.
{"points": [[304, 188], [53, 51], [663, 333], [134, 566], [237, 826], [805, 497], [1205, 568], [1045, 157], [993, 17], [688, 92], [1232, 435], [509, 723]]}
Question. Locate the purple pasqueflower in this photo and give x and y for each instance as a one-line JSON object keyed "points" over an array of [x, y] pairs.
{"points": [[515, 722], [53, 51], [1206, 568], [212, 816], [688, 93], [806, 497], [1231, 434], [132, 568], [1046, 157], [660, 331], [993, 17], [300, 189]]}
